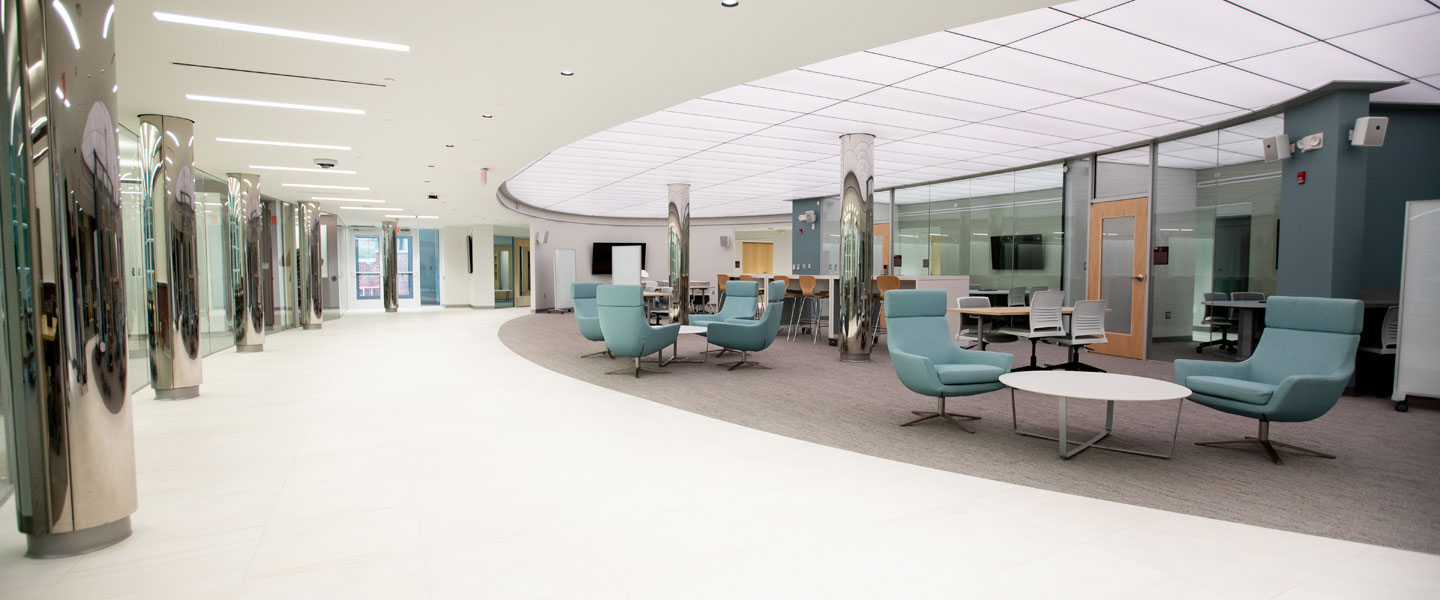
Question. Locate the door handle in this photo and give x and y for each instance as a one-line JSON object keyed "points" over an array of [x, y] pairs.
{"points": [[1139, 277]]}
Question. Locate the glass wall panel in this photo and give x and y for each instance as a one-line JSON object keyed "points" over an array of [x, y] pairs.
{"points": [[1122, 175], [1077, 227], [216, 303], [136, 316]]}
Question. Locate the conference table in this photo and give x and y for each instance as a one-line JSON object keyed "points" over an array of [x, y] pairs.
{"points": [[1251, 315], [985, 313]]}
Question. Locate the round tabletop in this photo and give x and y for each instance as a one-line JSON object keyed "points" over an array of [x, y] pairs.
{"points": [[692, 329], [1095, 386]]}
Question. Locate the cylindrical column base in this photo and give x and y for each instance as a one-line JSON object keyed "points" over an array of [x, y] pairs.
{"points": [[74, 543], [311, 326], [845, 357], [255, 348], [184, 393], [391, 309]]}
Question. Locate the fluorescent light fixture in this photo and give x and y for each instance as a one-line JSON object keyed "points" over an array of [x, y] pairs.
{"points": [[301, 169], [427, 217], [287, 144], [984, 234], [327, 187], [268, 104], [109, 16], [361, 200], [400, 216], [365, 208], [69, 25], [275, 31]]}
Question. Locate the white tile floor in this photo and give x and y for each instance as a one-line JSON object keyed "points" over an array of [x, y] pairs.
{"points": [[413, 456]]}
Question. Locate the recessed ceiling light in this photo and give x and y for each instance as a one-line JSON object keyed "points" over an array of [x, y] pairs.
{"points": [[288, 144], [365, 208], [268, 104], [729, 3], [488, 116], [326, 187], [360, 200], [302, 169], [567, 73], [290, 33]]}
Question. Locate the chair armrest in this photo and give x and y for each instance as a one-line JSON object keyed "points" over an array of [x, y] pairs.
{"points": [[1210, 368], [1002, 360], [916, 372], [662, 336], [728, 333], [1306, 397]]}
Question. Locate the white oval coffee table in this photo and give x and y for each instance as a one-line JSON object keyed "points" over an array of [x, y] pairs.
{"points": [[1109, 387]]}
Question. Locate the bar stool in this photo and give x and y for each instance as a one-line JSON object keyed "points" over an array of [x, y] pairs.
{"points": [[747, 278], [810, 297], [784, 279], [883, 283], [720, 281]]}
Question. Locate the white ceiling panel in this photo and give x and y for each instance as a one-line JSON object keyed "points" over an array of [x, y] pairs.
{"points": [[868, 113], [913, 148], [1078, 147], [1413, 92], [666, 117], [671, 131], [1085, 111], [931, 104], [772, 98], [964, 143], [1410, 47], [1050, 125], [1211, 28], [1119, 138], [1040, 154], [837, 127], [738, 112], [1085, 8], [1163, 102], [1313, 65], [816, 84], [871, 67], [1232, 86], [936, 49], [763, 140], [1006, 30], [1008, 135], [1329, 18], [1117, 52], [1024, 68], [979, 89]]}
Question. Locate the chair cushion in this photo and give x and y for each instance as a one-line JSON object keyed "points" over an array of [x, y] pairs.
{"points": [[1252, 392], [963, 374]]}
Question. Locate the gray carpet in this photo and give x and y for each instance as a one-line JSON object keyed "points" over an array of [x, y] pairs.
{"points": [[1382, 489]]}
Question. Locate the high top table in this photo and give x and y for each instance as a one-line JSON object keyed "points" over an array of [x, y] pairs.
{"points": [[1110, 387]]}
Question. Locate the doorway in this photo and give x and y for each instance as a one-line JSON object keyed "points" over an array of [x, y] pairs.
{"points": [[1119, 238], [521, 269], [757, 258], [504, 258], [429, 267]]}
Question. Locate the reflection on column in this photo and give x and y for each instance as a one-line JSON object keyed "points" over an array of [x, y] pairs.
{"points": [[312, 313], [390, 277], [679, 233], [247, 231], [75, 443], [167, 188], [857, 154]]}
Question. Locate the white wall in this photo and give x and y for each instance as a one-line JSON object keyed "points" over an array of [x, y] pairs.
{"points": [[482, 281], [454, 273]]}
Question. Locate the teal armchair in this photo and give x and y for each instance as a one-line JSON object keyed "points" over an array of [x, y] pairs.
{"points": [[927, 360], [739, 304], [1297, 373], [627, 329], [750, 335], [587, 314]]}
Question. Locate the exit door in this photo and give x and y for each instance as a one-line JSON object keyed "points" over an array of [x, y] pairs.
{"points": [[1119, 239]]}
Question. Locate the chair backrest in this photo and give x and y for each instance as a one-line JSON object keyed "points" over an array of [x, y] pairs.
{"points": [[971, 302], [1247, 296], [784, 279], [1045, 312], [975, 287], [583, 294], [807, 284], [720, 280], [1039, 288], [1212, 312], [739, 300], [917, 324], [885, 283], [622, 318], [774, 309], [649, 285], [747, 278], [1016, 297], [1088, 319], [1307, 336], [1390, 328]]}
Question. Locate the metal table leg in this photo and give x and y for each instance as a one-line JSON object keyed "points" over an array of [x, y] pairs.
{"points": [[1064, 444]]}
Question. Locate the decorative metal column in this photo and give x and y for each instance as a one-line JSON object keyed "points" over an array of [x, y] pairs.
{"points": [[390, 276], [312, 312], [247, 230], [679, 230], [167, 200], [74, 436], [857, 227]]}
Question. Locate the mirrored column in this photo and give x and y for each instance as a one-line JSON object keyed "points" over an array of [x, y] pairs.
{"points": [[167, 188], [679, 234], [857, 218], [389, 284], [247, 230], [312, 311]]}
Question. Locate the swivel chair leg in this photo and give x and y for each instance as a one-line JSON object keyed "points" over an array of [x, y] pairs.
{"points": [[744, 362], [1267, 444], [638, 369], [940, 413], [1033, 366], [606, 352]]}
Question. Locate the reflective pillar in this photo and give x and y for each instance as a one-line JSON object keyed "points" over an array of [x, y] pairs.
{"points": [[167, 188], [312, 312], [679, 233], [75, 448], [389, 278], [857, 226], [247, 232]]}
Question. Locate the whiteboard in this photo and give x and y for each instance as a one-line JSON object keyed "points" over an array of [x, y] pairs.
{"points": [[564, 276], [625, 261], [1416, 370]]}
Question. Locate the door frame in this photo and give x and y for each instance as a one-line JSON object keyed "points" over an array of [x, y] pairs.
{"points": [[1134, 344]]}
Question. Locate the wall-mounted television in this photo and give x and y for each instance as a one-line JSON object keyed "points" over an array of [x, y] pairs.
{"points": [[600, 256], [1017, 252]]}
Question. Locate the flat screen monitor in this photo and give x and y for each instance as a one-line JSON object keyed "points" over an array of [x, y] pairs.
{"points": [[600, 256], [1017, 252]]}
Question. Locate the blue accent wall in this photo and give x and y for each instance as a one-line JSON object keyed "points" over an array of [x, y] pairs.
{"points": [[1403, 169], [804, 247]]}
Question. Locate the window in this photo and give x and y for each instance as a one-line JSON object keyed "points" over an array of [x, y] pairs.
{"points": [[367, 267], [404, 267]]}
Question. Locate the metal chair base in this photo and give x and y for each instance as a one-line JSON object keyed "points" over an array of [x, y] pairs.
{"points": [[744, 362], [1074, 364], [637, 370], [605, 352], [940, 413], [1267, 444]]}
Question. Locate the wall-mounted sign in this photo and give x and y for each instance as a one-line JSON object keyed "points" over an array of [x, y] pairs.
{"points": [[1162, 255]]}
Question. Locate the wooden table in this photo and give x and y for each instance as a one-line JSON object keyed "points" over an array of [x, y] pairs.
{"points": [[1250, 311], [1000, 311]]}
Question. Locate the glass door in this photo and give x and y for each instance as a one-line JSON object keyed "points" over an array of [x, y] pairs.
{"points": [[1119, 237], [429, 267]]}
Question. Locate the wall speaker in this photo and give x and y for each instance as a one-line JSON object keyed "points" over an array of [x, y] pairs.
{"points": [[724, 241], [1369, 131], [1277, 148]]}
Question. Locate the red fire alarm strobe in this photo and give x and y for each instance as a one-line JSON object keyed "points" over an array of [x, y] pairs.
{"points": [[800, 231], [1300, 178]]}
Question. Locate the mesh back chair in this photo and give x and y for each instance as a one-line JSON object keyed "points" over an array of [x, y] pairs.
{"points": [[587, 314], [627, 332], [1247, 296], [927, 361], [1046, 321], [1016, 297], [810, 298], [966, 335], [1217, 318], [1087, 326]]}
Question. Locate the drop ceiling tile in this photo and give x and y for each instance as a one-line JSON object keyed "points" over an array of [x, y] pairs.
{"points": [[1073, 147], [1050, 126], [1040, 154], [1111, 140], [1413, 92], [1329, 18], [816, 84], [1210, 28], [770, 98], [1259, 128], [1007, 135], [791, 132], [701, 122], [866, 66], [738, 112], [936, 49], [669, 131], [1085, 8], [1313, 65], [942, 154], [838, 127], [650, 140], [1116, 52], [963, 143], [1002, 160], [1159, 101], [931, 104], [1166, 129], [1410, 47], [1006, 30], [1024, 68], [979, 89], [764, 141], [750, 150], [888, 116], [1104, 115]]}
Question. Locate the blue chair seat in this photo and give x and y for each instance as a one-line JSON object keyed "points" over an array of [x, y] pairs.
{"points": [[960, 374], [1252, 392]]}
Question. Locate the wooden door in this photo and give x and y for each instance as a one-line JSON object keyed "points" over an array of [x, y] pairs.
{"points": [[757, 258], [1119, 241], [521, 269]]}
